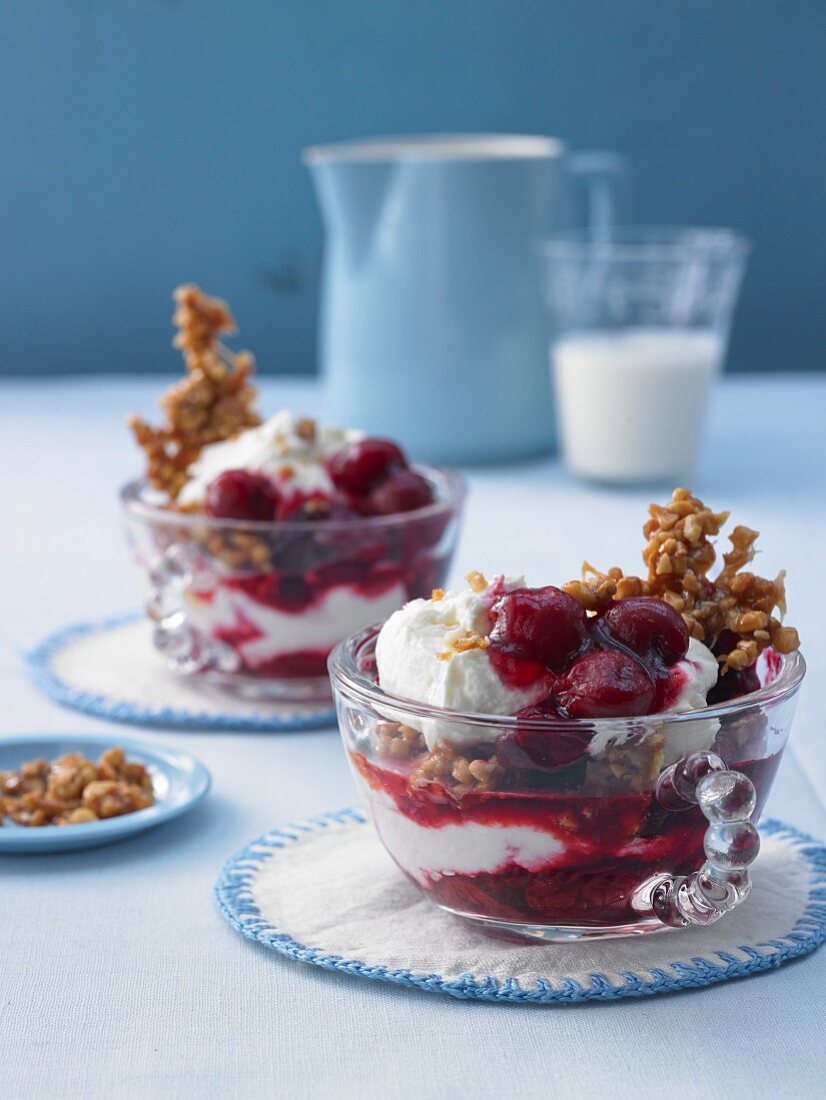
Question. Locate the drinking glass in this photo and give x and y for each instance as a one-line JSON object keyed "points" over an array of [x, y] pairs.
{"points": [[641, 320]]}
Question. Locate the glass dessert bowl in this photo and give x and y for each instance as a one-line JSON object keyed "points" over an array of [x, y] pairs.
{"points": [[607, 780], [263, 544], [258, 606]]}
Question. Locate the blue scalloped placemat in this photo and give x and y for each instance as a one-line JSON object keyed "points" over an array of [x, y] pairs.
{"points": [[109, 669], [329, 874]]}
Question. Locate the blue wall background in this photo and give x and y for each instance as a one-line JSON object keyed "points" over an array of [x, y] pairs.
{"points": [[148, 142]]}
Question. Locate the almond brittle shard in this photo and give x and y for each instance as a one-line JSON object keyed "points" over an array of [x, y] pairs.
{"points": [[212, 403], [736, 613]]}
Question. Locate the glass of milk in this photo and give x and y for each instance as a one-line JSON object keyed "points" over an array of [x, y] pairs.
{"points": [[641, 319]]}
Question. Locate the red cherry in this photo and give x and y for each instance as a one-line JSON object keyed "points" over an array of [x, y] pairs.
{"points": [[517, 671], [294, 593], [605, 684], [241, 494], [401, 492], [549, 749], [725, 642], [542, 624], [538, 758], [647, 626], [337, 573], [357, 467], [733, 684]]}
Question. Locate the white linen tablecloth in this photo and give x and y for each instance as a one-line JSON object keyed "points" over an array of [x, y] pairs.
{"points": [[119, 978]]}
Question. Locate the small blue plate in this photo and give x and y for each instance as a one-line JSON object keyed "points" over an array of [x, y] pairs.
{"points": [[179, 781]]}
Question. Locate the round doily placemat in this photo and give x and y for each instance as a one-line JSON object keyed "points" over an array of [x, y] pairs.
{"points": [[110, 669], [325, 892]]}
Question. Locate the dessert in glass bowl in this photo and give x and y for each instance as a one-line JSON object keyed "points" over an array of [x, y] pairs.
{"points": [[266, 542], [583, 760]]}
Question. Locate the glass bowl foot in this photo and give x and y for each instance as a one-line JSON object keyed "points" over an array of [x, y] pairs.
{"points": [[519, 932], [305, 689]]}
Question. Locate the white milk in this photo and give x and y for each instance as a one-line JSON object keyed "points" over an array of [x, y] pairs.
{"points": [[630, 403]]}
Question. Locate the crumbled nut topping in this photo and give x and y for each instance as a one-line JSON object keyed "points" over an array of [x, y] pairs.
{"points": [[236, 549], [459, 773], [679, 555], [397, 741], [316, 505], [73, 790], [212, 403], [469, 640], [305, 429], [595, 590], [476, 581], [632, 765], [462, 642], [437, 594]]}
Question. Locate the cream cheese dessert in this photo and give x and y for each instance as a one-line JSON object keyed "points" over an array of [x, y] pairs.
{"points": [[501, 648], [520, 730], [289, 450], [445, 652]]}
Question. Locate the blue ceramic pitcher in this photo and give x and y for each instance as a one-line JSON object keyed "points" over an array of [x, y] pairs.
{"points": [[433, 329]]}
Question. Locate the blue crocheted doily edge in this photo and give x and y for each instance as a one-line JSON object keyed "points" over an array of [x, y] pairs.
{"points": [[234, 900], [39, 661]]}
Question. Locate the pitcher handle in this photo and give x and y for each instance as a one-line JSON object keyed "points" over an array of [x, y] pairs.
{"points": [[604, 178], [727, 799]]}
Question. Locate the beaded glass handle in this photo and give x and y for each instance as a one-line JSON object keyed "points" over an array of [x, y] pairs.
{"points": [[728, 799], [185, 648]]}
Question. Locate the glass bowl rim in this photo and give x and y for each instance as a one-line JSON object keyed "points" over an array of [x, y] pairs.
{"points": [[647, 242], [350, 681], [451, 486]]}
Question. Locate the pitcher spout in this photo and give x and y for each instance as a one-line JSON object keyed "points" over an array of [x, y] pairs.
{"points": [[351, 194]]}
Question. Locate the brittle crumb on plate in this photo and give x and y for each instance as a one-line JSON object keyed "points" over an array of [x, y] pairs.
{"points": [[72, 790]]}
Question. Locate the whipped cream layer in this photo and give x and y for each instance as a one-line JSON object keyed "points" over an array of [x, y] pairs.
{"points": [[280, 448], [464, 848], [417, 660], [271, 633], [699, 669], [698, 674]]}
